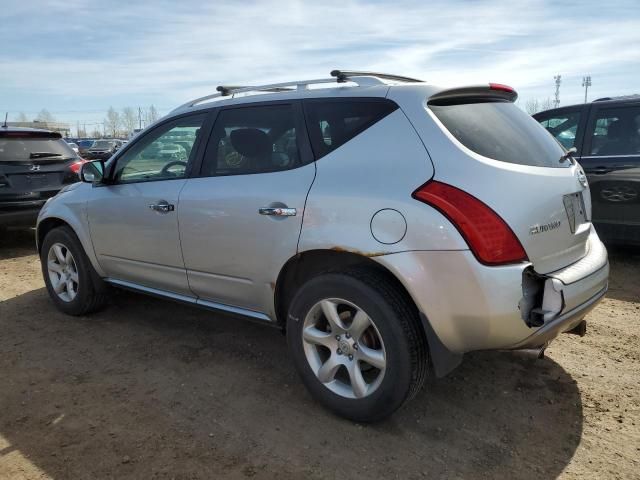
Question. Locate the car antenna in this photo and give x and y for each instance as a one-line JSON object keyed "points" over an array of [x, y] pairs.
{"points": [[6, 115]]}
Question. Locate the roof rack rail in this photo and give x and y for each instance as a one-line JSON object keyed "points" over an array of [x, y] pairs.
{"points": [[345, 75], [341, 76], [226, 90], [633, 96]]}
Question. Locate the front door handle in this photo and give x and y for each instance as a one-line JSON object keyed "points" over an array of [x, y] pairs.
{"points": [[278, 211], [162, 207]]}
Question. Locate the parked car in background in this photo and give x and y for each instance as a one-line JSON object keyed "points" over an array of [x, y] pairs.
{"points": [[102, 149], [34, 166], [363, 220], [84, 146], [606, 135], [74, 146]]}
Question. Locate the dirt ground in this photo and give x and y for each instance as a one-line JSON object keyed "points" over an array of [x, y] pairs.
{"points": [[153, 389]]}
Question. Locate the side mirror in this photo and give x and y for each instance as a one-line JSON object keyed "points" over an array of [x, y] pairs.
{"points": [[92, 172]]}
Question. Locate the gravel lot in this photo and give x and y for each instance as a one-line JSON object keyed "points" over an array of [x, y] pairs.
{"points": [[153, 389]]}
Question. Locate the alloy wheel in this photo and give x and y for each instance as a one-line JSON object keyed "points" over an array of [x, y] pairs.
{"points": [[63, 272], [344, 348]]}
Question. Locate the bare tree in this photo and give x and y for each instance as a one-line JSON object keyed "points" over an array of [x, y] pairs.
{"points": [[45, 116], [532, 106], [152, 115], [112, 122], [22, 117], [129, 119], [96, 133], [547, 104]]}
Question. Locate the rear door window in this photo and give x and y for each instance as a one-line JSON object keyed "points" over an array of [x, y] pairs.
{"points": [[501, 131], [332, 123], [563, 126], [255, 139], [615, 131]]}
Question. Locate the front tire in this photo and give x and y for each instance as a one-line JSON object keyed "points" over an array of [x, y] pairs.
{"points": [[72, 283], [356, 341]]}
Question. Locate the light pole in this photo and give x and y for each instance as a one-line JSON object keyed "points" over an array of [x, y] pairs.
{"points": [[556, 101], [586, 83]]}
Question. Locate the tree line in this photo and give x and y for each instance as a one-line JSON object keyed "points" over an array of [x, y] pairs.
{"points": [[115, 124]]}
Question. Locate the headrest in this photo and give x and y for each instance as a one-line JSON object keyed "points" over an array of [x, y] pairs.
{"points": [[251, 142], [615, 130]]}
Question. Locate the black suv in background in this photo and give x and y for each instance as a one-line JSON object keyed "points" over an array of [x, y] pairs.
{"points": [[34, 165], [103, 149], [606, 134]]}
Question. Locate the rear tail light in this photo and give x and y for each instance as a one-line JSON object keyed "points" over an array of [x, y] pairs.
{"points": [[488, 236], [76, 166]]}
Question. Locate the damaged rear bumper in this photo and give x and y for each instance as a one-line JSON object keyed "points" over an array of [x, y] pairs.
{"points": [[470, 306]]}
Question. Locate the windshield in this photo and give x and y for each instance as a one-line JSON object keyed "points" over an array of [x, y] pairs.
{"points": [[85, 143], [102, 144], [501, 131], [21, 149]]}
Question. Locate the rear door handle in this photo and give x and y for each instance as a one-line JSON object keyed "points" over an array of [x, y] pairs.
{"points": [[599, 170], [162, 207], [278, 211]]}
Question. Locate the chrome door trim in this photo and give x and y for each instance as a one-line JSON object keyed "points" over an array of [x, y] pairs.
{"points": [[278, 211], [190, 300]]}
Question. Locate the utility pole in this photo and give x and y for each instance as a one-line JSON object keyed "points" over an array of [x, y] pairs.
{"points": [[140, 117], [558, 79], [586, 83]]}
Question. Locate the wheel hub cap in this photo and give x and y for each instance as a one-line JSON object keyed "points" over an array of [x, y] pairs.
{"points": [[345, 347]]}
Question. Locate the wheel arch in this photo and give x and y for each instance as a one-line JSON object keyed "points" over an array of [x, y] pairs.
{"points": [[45, 226], [308, 264], [48, 223]]}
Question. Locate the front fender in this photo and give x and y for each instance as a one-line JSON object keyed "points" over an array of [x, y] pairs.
{"points": [[69, 206]]}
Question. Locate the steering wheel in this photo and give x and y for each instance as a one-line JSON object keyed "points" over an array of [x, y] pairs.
{"points": [[165, 169]]}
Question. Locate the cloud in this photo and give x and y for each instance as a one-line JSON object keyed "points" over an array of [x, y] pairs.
{"points": [[172, 51]]}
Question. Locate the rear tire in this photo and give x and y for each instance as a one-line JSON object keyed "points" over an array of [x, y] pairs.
{"points": [[73, 284], [354, 321]]}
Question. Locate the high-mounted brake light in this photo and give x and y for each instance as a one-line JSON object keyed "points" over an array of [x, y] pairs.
{"points": [[501, 87], [488, 236]]}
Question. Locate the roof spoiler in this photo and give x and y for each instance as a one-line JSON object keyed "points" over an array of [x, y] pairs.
{"points": [[496, 91], [29, 134]]}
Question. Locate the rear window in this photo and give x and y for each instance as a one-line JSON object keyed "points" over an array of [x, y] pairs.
{"points": [[24, 148], [501, 131]]}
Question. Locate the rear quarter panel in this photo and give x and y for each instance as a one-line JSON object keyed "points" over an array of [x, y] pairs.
{"points": [[378, 169]]}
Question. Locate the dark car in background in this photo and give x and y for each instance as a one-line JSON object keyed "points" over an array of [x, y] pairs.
{"points": [[103, 149], [84, 146], [34, 165], [606, 135]]}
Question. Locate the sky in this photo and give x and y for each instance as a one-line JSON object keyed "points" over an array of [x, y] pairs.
{"points": [[76, 58]]}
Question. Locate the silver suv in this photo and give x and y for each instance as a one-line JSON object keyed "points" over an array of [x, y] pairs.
{"points": [[387, 225]]}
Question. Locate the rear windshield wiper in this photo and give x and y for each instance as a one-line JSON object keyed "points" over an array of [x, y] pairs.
{"points": [[568, 155], [44, 154]]}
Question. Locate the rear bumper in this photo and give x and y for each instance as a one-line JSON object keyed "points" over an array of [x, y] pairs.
{"points": [[563, 323], [619, 233], [19, 218], [474, 307]]}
